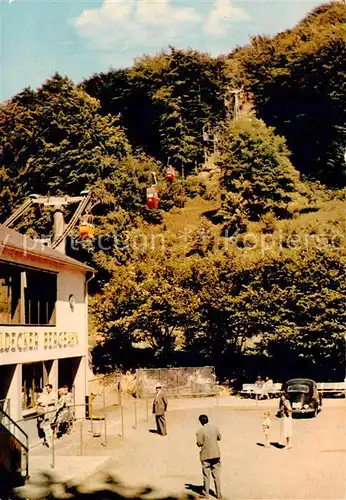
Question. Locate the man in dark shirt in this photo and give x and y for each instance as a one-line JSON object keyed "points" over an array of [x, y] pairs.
{"points": [[207, 439], [159, 408]]}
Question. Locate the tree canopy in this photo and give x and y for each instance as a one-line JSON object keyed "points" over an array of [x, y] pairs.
{"points": [[257, 174], [165, 101], [297, 82], [54, 140]]}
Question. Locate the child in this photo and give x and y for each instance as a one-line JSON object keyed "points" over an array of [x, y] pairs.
{"points": [[266, 427]]}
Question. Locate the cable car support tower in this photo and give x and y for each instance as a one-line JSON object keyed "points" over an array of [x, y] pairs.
{"points": [[60, 229]]}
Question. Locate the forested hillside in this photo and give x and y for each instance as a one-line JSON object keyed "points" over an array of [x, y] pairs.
{"points": [[297, 82], [243, 263], [165, 101]]}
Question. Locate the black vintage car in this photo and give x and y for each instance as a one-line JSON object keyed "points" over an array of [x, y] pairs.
{"points": [[304, 396]]}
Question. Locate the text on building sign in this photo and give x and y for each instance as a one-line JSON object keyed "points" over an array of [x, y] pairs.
{"points": [[33, 341]]}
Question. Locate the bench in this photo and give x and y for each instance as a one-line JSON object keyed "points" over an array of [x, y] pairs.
{"points": [[333, 388], [250, 390], [247, 390], [276, 389]]}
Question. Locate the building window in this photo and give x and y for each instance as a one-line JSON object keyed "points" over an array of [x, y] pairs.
{"points": [[32, 379], [40, 298], [27, 297], [10, 299]]}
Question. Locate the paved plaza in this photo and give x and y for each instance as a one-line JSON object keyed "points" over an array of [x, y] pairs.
{"points": [[314, 469]]}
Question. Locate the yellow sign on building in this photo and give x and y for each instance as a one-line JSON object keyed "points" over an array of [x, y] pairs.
{"points": [[37, 340]]}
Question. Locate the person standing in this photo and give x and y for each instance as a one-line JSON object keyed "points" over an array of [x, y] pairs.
{"points": [[267, 388], [160, 405], [207, 439], [266, 427], [45, 411], [58, 419], [51, 395], [286, 414], [40, 415], [69, 407], [63, 419]]}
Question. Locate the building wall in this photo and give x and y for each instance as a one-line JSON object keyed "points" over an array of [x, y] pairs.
{"points": [[182, 381], [68, 338]]}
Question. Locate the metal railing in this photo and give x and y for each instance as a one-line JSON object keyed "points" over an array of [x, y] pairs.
{"points": [[99, 424], [12, 429], [95, 430], [135, 412], [127, 415], [5, 406]]}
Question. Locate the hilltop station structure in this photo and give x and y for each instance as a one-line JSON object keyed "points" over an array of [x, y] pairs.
{"points": [[43, 323]]}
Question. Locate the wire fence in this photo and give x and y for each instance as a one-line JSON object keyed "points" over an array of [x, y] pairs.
{"points": [[90, 435]]}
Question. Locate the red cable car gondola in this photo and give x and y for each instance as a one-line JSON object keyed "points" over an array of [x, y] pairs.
{"points": [[152, 198], [170, 173]]}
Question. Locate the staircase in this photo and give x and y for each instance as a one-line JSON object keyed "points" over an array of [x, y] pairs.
{"points": [[14, 458]]}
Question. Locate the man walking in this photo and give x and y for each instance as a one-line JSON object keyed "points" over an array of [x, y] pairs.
{"points": [[207, 439], [159, 408]]}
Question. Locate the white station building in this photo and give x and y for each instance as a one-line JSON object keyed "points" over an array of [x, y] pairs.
{"points": [[43, 323]]}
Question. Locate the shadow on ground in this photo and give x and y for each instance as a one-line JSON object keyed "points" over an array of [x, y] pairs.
{"points": [[198, 489], [278, 445], [195, 488]]}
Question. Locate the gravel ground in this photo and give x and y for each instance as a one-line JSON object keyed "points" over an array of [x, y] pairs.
{"points": [[314, 468]]}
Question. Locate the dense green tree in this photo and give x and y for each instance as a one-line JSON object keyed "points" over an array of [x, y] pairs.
{"points": [[257, 175], [306, 301], [165, 101], [297, 83], [147, 301], [291, 301], [54, 140]]}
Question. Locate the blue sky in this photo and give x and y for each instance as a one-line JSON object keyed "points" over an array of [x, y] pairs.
{"points": [[81, 37]]}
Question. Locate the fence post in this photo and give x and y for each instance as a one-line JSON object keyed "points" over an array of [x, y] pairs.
{"points": [[53, 452], [81, 437], [119, 390], [135, 408], [122, 420], [105, 443]]}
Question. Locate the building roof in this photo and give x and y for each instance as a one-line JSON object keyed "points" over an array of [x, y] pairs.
{"points": [[24, 243]]}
